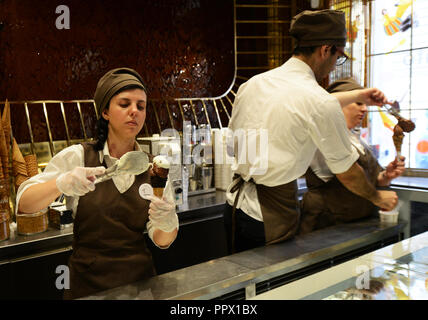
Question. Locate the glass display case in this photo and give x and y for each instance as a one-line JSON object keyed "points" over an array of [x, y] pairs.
{"points": [[396, 272]]}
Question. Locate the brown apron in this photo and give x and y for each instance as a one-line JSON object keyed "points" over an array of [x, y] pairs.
{"points": [[330, 203], [109, 248], [280, 210]]}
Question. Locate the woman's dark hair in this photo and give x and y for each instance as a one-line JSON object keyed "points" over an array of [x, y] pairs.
{"points": [[101, 126]]}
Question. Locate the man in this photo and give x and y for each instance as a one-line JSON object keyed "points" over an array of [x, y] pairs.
{"points": [[327, 201], [299, 117]]}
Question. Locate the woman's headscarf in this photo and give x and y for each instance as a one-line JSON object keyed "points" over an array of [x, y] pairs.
{"points": [[113, 81]]}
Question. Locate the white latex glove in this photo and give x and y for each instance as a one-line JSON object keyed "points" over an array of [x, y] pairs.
{"points": [[162, 214], [78, 181]]}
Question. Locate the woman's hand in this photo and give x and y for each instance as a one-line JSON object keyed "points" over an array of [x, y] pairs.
{"points": [[393, 170], [162, 214], [78, 181]]}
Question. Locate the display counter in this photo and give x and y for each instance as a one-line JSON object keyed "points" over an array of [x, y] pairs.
{"points": [[28, 263], [410, 189], [244, 274], [396, 272], [198, 208], [196, 266]]}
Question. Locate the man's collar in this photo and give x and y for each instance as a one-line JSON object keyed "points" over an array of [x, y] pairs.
{"points": [[302, 65]]}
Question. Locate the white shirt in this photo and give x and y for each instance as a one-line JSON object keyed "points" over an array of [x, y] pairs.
{"points": [[319, 166], [300, 117], [73, 156]]}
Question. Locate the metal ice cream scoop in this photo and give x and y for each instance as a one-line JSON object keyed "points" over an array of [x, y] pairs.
{"points": [[393, 110], [133, 162]]}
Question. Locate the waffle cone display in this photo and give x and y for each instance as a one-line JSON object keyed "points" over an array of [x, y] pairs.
{"points": [[1, 169], [19, 166], [6, 123], [32, 167], [4, 153], [32, 223]]}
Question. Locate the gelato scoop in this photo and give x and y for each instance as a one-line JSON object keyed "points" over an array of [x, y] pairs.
{"points": [[406, 125], [403, 125], [159, 175]]}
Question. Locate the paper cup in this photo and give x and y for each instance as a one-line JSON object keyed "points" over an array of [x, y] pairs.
{"points": [[390, 216]]}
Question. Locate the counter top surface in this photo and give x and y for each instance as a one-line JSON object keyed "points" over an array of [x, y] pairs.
{"points": [[198, 207], [211, 278], [411, 182]]}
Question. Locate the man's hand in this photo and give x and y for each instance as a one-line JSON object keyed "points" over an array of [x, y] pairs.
{"points": [[386, 200], [373, 97], [355, 180]]}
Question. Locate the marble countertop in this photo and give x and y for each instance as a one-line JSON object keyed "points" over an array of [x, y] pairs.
{"points": [[219, 276], [398, 270]]}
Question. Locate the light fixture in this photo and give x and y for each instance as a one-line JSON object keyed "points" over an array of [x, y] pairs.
{"points": [[315, 4]]}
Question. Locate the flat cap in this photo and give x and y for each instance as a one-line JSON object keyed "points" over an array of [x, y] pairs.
{"points": [[112, 82], [342, 85], [316, 28]]}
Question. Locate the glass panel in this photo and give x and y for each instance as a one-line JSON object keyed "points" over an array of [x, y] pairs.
{"points": [[420, 25], [419, 113], [390, 30], [356, 40], [419, 140], [391, 74]]}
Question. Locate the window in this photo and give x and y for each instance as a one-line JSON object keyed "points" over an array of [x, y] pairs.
{"points": [[398, 65], [394, 59]]}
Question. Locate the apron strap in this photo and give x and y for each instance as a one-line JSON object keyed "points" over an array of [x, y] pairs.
{"points": [[236, 187]]}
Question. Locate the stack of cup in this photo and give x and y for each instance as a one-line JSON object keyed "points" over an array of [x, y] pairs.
{"points": [[222, 161]]}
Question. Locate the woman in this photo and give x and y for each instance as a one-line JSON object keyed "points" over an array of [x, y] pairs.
{"points": [[110, 217], [327, 201]]}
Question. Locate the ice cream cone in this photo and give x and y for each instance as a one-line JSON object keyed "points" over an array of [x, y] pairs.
{"points": [[19, 179], [31, 162], [1, 169], [7, 126], [397, 138], [19, 166], [16, 153], [160, 175], [4, 153], [158, 192]]}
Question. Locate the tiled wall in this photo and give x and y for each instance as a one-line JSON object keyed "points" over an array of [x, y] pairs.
{"points": [[182, 48]]}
